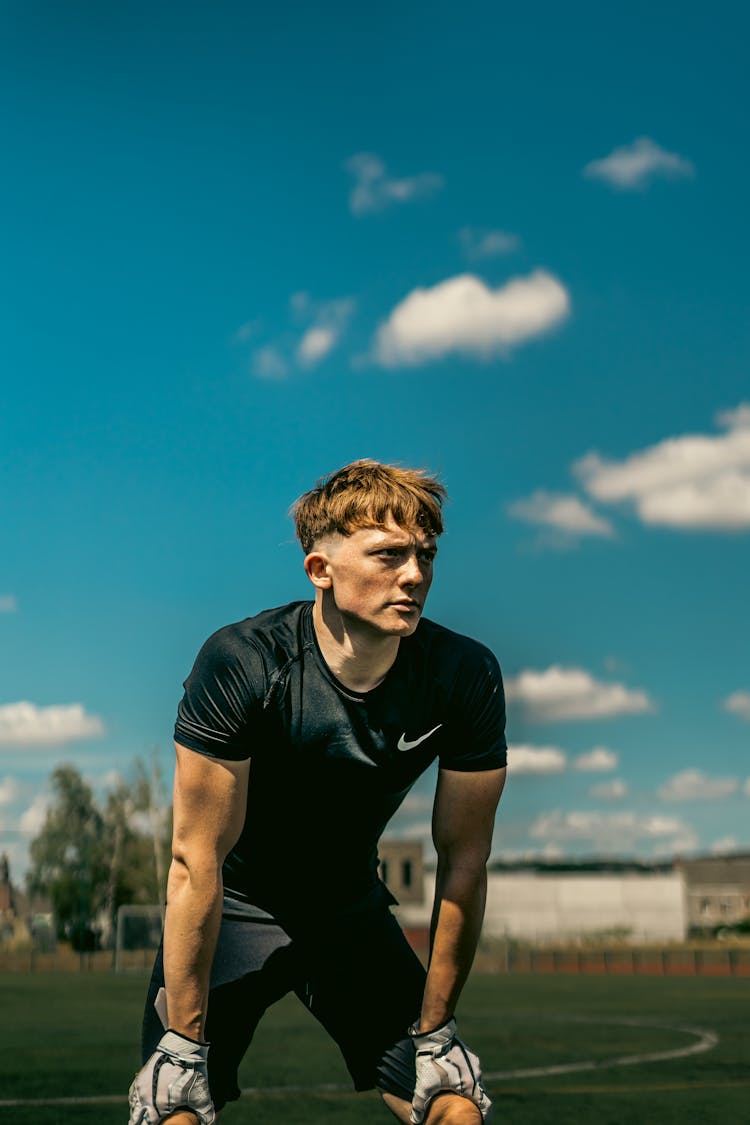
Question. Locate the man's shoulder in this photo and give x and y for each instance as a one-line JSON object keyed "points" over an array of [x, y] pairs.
{"points": [[278, 628], [450, 659], [439, 642]]}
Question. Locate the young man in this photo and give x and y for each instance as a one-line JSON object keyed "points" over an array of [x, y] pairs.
{"points": [[299, 735]]}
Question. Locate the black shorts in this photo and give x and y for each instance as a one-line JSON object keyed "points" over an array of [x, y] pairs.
{"points": [[358, 976]]}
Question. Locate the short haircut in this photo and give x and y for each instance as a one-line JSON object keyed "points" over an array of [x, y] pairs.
{"points": [[364, 494]]}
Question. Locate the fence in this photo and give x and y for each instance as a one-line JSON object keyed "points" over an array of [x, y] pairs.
{"points": [[731, 961], [64, 960], [667, 961]]}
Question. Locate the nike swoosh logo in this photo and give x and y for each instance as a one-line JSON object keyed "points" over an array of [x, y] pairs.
{"points": [[404, 745]]}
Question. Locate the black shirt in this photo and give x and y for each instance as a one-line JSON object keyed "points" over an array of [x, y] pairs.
{"points": [[331, 766]]}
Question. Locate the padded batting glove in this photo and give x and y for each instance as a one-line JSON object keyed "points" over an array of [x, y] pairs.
{"points": [[445, 1065], [175, 1077]]}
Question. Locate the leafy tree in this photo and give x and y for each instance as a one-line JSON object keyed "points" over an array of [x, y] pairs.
{"points": [[151, 800], [68, 857], [138, 835], [90, 860]]}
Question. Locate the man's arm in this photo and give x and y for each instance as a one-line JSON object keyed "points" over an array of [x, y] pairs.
{"points": [[210, 801], [462, 824]]}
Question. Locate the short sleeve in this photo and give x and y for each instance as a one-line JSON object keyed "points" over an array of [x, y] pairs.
{"points": [[476, 731], [223, 698]]}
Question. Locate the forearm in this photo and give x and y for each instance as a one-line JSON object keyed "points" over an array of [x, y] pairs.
{"points": [[193, 917], [460, 895]]}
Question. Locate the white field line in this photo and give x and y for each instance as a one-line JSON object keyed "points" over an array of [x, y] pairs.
{"points": [[705, 1041]]}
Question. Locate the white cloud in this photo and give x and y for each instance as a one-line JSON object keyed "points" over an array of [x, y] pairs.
{"points": [[269, 363], [535, 760], [8, 603], [613, 790], [8, 790], [687, 841], [572, 693], [33, 818], [722, 503], [738, 418], [25, 724], [419, 830], [630, 167], [330, 318], [724, 846], [463, 315], [689, 481], [321, 324], [315, 345], [374, 189], [609, 832], [598, 760], [112, 779], [562, 512], [479, 244], [694, 785], [738, 704], [416, 803]]}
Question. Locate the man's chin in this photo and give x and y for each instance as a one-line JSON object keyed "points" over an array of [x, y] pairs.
{"points": [[405, 624]]}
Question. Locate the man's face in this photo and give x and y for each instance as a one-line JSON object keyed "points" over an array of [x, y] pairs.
{"points": [[380, 576]]}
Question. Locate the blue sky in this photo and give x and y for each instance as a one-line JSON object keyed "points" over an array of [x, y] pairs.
{"points": [[243, 246]]}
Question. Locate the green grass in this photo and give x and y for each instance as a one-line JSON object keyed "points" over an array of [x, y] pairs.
{"points": [[78, 1035]]}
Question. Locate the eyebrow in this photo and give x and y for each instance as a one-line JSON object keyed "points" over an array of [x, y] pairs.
{"points": [[387, 543]]}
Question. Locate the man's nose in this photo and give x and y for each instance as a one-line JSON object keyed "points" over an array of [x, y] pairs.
{"points": [[411, 574]]}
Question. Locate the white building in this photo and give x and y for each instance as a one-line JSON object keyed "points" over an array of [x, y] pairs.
{"points": [[540, 907]]}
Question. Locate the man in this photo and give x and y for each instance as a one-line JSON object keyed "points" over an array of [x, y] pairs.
{"points": [[299, 735]]}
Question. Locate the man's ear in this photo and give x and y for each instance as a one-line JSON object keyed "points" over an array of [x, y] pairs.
{"points": [[316, 566]]}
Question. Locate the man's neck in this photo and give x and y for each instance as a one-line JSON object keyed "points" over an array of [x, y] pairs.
{"points": [[359, 657]]}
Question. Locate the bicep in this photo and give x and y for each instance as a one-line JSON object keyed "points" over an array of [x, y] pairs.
{"points": [[210, 801], [464, 813]]}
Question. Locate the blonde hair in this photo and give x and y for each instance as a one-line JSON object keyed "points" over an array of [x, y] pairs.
{"points": [[364, 494]]}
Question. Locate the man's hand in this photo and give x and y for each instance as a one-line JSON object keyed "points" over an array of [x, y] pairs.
{"points": [[445, 1065], [175, 1077]]}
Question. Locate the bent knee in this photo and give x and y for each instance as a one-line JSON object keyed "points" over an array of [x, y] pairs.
{"points": [[452, 1109]]}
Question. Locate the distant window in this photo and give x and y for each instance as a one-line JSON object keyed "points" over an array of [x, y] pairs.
{"points": [[406, 873], [705, 906]]}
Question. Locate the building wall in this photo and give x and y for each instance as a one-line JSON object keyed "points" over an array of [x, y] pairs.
{"points": [[402, 869], [539, 907], [718, 890], [717, 904]]}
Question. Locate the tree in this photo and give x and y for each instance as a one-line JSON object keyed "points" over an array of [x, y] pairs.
{"points": [[151, 800], [68, 860], [138, 837], [90, 860]]}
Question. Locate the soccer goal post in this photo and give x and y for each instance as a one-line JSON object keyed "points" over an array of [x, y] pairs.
{"points": [[138, 935]]}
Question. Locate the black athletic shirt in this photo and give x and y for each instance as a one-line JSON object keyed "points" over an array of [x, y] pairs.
{"points": [[331, 766]]}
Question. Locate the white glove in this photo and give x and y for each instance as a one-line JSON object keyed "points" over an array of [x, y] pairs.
{"points": [[175, 1077], [445, 1065]]}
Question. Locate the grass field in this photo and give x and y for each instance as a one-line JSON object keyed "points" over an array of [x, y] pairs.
{"points": [[76, 1035]]}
